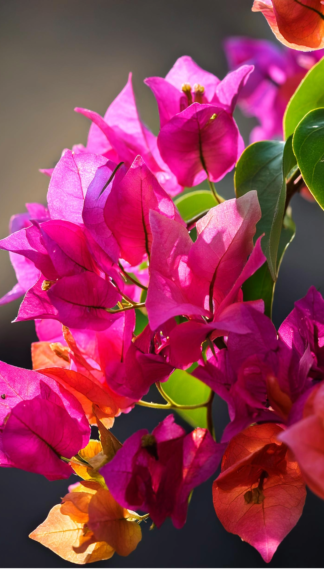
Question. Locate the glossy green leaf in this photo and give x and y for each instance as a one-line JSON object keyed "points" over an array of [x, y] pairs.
{"points": [[187, 390], [308, 143], [192, 204], [261, 285], [260, 168], [289, 159], [308, 96]]}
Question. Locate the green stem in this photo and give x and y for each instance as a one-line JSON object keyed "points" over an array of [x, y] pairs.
{"points": [[124, 308], [164, 394], [154, 405], [130, 278], [129, 300], [172, 406], [213, 189]]}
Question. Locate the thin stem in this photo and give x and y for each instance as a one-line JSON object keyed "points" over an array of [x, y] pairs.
{"points": [[153, 405], [169, 406], [210, 424], [124, 308], [129, 300], [213, 189], [164, 394], [130, 278]]}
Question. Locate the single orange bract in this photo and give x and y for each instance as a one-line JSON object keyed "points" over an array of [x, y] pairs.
{"points": [[298, 24], [260, 493]]}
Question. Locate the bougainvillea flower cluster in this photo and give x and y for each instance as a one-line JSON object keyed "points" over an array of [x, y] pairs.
{"points": [[134, 283], [277, 74]]}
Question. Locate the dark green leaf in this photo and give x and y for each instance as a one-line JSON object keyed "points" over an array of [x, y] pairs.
{"points": [[289, 159], [308, 96], [261, 285], [187, 390], [308, 143], [260, 168]]}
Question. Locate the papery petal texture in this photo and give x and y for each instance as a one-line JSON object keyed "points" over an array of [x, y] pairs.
{"points": [[201, 142], [260, 493], [140, 192], [299, 25]]}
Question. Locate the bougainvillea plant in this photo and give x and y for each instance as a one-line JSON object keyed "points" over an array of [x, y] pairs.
{"points": [[134, 282]]}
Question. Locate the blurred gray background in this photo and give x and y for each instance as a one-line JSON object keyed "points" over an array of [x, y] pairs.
{"points": [[58, 54]]}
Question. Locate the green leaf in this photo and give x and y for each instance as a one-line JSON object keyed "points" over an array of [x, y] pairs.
{"points": [[308, 96], [289, 159], [260, 168], [308, 143], [192, 204], [187, 390], [141, 321], [287, 235], [261, 285]]}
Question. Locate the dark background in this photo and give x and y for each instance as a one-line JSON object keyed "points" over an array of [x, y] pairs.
{"points": [[55, 55]]}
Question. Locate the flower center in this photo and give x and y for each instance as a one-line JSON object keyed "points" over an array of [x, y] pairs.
{"points": [[194, 94], [256, 496], [149, 443]]}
